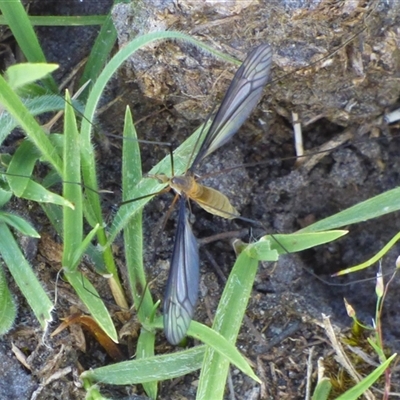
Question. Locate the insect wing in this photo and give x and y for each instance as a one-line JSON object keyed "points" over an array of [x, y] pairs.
{"points": [[183, 280], [242, 96]]}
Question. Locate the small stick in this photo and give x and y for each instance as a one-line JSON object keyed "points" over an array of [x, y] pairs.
{"points": [[393, 116], [298, 135]]}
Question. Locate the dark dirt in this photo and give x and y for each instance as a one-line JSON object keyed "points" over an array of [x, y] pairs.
{"points": [[284, 314]]}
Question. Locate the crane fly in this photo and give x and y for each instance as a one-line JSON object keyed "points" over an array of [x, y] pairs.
{"points": [[239, 101]]}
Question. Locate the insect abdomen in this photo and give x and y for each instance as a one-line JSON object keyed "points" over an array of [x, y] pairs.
{"points": [[214, 202]]}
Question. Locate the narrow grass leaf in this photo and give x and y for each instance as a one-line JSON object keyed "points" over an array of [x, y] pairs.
{"points": [[376, 346], [21, 166], [73, 228], [133, 234], [54, 214], [322, 389], [145, 349], [5, 196], [83, 247], [38, 193], [212, 339], [228, 320], [100, 53], [89, 296], [72, 219], [19, 171], [157, 368], [226, 350], [12, 103], [295, 242], [133, 239], [36, 105], [382, 204], [63, 20], [24, 277], [7, 306], [18, 21], [357, 391], [21, 74], [378, 256], [18, 223]]}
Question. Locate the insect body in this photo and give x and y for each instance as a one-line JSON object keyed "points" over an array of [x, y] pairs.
{"points": [[240, 99], [208, 198]]}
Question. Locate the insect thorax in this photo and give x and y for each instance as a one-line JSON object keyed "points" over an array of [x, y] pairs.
{"points": [[184, 184]]}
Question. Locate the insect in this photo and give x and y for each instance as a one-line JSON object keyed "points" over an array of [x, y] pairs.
{"points": [[240, 99]]}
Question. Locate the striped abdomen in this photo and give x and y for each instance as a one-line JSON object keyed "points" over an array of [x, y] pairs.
{"points": [[207, 198]]}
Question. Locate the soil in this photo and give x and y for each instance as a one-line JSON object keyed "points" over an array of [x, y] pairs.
{"points": [[283, 332]]}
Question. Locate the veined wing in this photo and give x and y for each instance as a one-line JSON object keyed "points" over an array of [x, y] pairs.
{"points": [[242, 96], [183, 280]]}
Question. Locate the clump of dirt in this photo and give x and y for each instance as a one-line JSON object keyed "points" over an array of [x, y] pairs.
{"points": [[349, 54]]}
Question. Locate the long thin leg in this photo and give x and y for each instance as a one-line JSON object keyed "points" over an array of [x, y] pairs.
{"points": [[166, 190]]}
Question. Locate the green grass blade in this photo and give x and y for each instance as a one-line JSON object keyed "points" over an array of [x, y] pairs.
{"points": [[5, 196], [89, 296], [149, 369], [133, 239], [382, 204], [16, 108], [226, 350], [73, 229], [19, 75], [355, 392], [21, 167], [213, 339], [295, 242], [35, 105], [322, 390], [378, 256], [84, 246], [72, 219], [62, 20], [54, 214], [19, 171], [19, 224], [8, 310], [38, 193], [100, 53], [18, 21], [145, 349], [228, 320], [133, 235], [24, 277]]}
